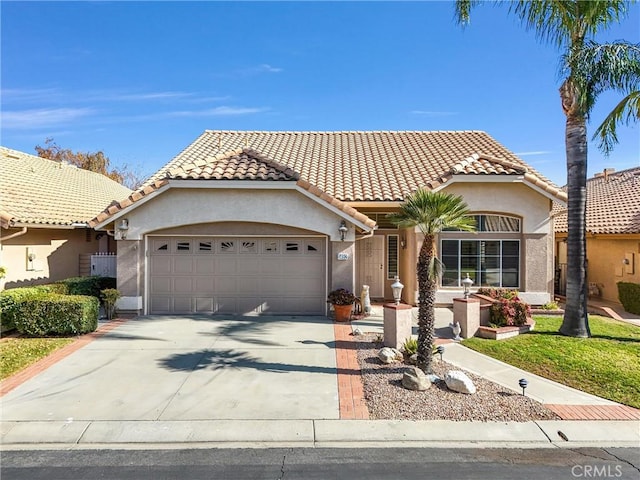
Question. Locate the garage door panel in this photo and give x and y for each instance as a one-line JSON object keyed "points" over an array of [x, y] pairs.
{"points": [[248, 285], [160, 304], [226, 305], [161, 285], [204, 304], [161, 265], [203, 285], [225, 265], [204, 265], [182, 264], [248, 265], [183, 285], [237, 275], [183, 304]]}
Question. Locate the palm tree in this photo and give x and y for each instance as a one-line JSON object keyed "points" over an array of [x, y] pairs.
{"points": [[431, 213], [588, 69]]}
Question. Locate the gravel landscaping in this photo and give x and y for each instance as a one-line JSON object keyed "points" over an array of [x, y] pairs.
{"points": [[387, 399]]}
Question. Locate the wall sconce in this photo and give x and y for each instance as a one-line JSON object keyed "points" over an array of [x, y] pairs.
{"points": [[403, 243], [397, 287], [123, 227], [625, 261], [343, 230], [466, 285]]}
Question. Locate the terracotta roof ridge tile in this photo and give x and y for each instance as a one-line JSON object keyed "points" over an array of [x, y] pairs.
{"points": [[272, 163], [505, 163]]}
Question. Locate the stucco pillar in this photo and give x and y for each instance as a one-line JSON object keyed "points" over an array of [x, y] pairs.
{"points": [[130, 274], [397, 324], [342, 266], [466, 311]]}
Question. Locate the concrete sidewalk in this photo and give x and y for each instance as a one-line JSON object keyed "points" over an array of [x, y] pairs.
{"points": [[310, 426]]}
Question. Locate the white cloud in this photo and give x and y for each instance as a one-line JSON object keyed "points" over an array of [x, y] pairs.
{"points": [[217, 112], [43, 117], [432, 113]]}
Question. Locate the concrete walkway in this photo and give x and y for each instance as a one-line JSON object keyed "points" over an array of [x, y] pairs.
{"points": [[257, 382]]}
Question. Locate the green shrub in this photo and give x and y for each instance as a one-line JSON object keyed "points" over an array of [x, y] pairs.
{"points": [[629, 295], [109, 298], [91, 286], [60, 288], [55, 314], [11, 299], [550, 306], [410, 346]]}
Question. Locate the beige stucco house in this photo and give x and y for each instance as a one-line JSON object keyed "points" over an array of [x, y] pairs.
{"points": [[613, 233], [256, 222], [45, 208]]}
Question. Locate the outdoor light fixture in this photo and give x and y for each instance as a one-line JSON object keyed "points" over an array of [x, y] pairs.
{"points": [[466, 284], [343, 230], [397, 287], [440, 350], [523, 384], [403, 243], [123, 226]]}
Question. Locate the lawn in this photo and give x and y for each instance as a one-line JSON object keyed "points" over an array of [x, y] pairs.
{"points": [[606, 365], [19, 353]]}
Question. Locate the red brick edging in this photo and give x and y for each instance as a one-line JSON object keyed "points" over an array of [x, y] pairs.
{"points": [[40, 366], [595, 412], [350, 389]]}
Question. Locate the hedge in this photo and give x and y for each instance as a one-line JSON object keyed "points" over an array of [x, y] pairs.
{"points": [[10, 301], [629, 295], [55, 314], [87, 285]]}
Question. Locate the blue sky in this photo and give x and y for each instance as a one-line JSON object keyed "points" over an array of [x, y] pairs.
{"points": [[140, 81]]}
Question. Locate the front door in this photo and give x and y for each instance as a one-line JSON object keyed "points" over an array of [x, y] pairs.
{"points": [[371, 265]]}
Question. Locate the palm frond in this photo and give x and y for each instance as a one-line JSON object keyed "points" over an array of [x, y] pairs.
{"points": [[433, 212], [625, 112]]}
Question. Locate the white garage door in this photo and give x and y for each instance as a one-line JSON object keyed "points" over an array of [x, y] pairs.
{"points": [[237, 275]]}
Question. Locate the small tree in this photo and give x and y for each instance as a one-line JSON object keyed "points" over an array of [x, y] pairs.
{"points": [[110, 297], [431, 213]]}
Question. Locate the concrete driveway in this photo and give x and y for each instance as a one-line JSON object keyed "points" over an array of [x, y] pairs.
{"points": [[190, 368]]}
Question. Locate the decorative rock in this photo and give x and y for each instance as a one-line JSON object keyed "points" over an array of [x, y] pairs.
{"points": [[415, 379], [357, 332], [390, 355], [433, 378], [412, 359], [459, 382]]}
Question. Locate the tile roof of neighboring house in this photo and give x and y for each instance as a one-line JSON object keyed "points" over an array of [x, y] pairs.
{"points": [[343, 166], [613, 204], [240, 164], [43, 192], [368, 166]]}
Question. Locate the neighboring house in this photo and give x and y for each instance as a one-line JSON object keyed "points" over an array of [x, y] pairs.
{"points": [[613, 233], [269, 222], [45, 207]]}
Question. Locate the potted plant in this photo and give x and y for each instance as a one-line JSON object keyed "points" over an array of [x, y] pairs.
{"points": [[342, 301]]}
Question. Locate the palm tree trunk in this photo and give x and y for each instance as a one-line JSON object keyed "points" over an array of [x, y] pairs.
{"points": [[426, 307], [575, 322]]}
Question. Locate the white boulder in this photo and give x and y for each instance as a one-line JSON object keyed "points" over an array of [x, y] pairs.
{"points": [[459, 382]]}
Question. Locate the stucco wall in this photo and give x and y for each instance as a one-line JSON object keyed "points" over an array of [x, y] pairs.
{"points": [[519, 200], [57, 255], [178, 206], [605, 267], [228, 212]]}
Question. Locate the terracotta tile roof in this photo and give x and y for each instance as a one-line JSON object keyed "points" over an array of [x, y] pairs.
{"points": [[341, 167], [241, 164], [368, 166], [39, 191], [613, 204]]}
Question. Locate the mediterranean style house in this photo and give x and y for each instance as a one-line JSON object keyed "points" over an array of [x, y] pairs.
{"points": [[613, 233], [268, 222], [45, 209]]}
